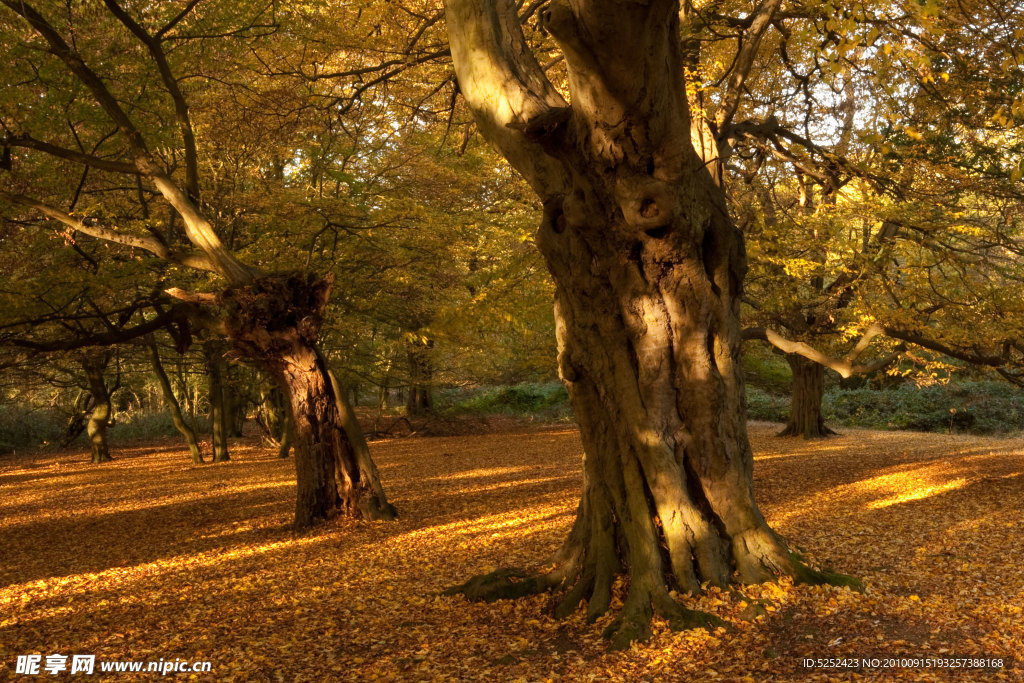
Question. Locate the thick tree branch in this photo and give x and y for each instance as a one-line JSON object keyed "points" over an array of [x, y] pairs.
{"points": [[180, 314], [28, 142], [973, 356], [750, 42], [504, 85], [188, 137], [197, 260], [845, 367]]}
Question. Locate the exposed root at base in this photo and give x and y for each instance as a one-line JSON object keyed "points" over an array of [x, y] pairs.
{"points": [[502, 584], [632, 624], [373, 509], [822, 432], [803, 573]]}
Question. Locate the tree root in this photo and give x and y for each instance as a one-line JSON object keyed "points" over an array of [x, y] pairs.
{"points": [[502, 584], [634, 623], [821, 432], [373, 509], [803, 573]]}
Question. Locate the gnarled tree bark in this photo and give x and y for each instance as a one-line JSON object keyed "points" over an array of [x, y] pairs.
{"points": [[273, 323], [278, 333], [648, 271]]}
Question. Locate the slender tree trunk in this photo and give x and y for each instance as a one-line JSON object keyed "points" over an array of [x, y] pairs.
{"points": [[418, 401], [94, 365], [273, 322], [235, 401], [214, 353], [172, 402], [806, 396], [648, 273]]}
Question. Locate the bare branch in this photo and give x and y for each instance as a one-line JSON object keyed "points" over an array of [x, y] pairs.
{"points": [[188, 137], [178, 314]]}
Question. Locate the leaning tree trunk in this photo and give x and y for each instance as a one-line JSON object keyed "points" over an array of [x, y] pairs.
{"points": [[648, 271], [96, 427], [183, 427], [213, 351], [76, 424], [808, 390], [272, 323]]}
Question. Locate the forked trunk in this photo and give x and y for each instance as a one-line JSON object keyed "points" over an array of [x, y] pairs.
{"points": [[272, 323], [648, 271], [808, 390]]}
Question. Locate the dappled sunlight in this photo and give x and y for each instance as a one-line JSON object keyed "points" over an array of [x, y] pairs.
{"points": [[160, 558], [500, 525], [914, 489], [481, 472]]}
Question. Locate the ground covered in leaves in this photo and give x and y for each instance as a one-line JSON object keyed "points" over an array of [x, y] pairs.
{"points": [[150, 557]]}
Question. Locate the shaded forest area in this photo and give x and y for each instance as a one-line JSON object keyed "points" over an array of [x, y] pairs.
{"points": [[242, 243]]}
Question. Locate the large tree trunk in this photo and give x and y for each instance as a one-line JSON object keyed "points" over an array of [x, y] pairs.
{"points": [[805, 399], [273, 322], [213, 351], [172, 402], [648, 270], [94, 364]]}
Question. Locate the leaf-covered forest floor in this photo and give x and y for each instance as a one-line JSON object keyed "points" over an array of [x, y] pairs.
{"points": [[150, 557]]}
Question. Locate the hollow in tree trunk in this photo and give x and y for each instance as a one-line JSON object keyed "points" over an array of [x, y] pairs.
{"points": [[272, 323], [648, 272], [805, 417], [94, 364], [213, 351]]}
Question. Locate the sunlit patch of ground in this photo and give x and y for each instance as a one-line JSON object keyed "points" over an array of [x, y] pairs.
{"points": [[150, 557]]}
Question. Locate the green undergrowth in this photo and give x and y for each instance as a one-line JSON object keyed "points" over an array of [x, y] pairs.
{"points": [[24, 428], [969, 407], [544, 401], [27, 427]]}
